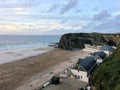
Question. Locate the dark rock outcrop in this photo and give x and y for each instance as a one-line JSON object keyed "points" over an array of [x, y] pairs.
{"points": [[74, 41]]}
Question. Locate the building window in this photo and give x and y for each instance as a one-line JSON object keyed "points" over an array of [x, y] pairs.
{"points": [[78, 77], [81, 77]]}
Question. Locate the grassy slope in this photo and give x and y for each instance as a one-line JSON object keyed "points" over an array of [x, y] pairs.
{"points": [[107, 75]]}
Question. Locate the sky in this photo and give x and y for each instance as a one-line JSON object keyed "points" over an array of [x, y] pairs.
{"points": [[54, 17]]}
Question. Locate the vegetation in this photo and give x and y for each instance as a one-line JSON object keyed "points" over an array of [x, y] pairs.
{"points": [[107, 75], [73, 41]]}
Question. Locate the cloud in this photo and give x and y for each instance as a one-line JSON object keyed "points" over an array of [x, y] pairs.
{"points": [[95, 9], [78, 10], [20, 10], [53, 7], [51, 26], [103, 22], [15, 4], [19, 3], [68, 6], [101, 16], [61, 31]]}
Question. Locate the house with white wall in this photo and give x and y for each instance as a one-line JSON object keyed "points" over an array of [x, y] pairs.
{"points": [[82, 69], [91, 49], [99, 56], [107, 49]]}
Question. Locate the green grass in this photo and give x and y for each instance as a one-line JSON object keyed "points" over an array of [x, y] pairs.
{"points": [[107, 75]]}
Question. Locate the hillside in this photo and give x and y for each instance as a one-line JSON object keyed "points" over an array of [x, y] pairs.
{"points": [[73, 41], [107, 75]]}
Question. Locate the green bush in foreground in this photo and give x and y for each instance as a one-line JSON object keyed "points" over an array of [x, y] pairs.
{"points": [[107, 75]]}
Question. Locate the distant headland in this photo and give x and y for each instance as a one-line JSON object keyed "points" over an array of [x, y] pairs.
{"points": [[74, 41]]}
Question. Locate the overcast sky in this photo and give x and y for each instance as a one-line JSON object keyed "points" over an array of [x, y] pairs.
{"points": [[38, 17]]}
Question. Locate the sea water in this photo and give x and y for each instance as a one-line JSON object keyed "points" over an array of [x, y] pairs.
{"points": [[11, 42]]}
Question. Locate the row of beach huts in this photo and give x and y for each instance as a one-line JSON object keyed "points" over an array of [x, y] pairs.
{"points": [[84, 67], [81, 70]]}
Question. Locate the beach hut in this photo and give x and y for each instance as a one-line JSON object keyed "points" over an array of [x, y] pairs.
{"points": [[107, 49], [99, 56], [83, 69]]}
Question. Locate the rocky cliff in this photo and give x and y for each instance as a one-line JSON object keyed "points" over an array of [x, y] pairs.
{"points": [[73, 41]]}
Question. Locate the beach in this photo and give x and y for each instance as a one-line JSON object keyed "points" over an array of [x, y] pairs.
{"points": [[18, 54], [29, 72]]}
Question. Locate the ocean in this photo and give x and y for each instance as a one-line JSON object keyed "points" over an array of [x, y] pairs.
{"points": [[11, 42]]}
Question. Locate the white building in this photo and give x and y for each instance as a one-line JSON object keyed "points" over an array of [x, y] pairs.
{"points": [[99, 56], [107, 49], [83, 69], [91, 49]]}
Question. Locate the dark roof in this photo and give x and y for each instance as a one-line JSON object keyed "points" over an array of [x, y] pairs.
{"points": [[101, 54], [107, 48], [79, 61], [88, 63]]}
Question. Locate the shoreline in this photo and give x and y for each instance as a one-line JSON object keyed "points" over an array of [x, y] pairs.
{"points": [[31, 72], [8, 56]]}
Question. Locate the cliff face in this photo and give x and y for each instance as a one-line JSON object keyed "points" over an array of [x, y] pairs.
{"points": [[70, 42], [73, 41]]}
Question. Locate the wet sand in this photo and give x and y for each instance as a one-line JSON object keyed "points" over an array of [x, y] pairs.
{"points": [[30, 73], [18, 54]]}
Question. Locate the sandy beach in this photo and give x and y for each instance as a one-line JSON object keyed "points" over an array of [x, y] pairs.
{"points": [[31, 72], [18, 54]]}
